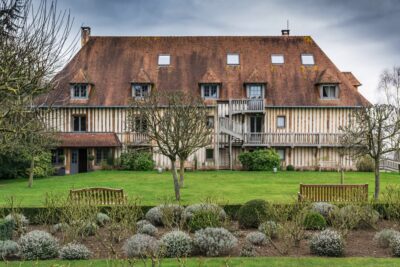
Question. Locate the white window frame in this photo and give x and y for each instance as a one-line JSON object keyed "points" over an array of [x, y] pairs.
{"points": [[233, 59], [278, 58], [305, 59], [77, 87], [248, 90], [208, 86], [142, 94], [279, 119], [336, 93], [164, 60], [282, 153]]}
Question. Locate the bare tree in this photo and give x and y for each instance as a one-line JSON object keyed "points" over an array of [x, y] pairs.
{"points": [[172, 124], [389, 84], [373, 131]]}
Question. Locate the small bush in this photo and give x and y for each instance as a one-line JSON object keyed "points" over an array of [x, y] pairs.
{"points": [[248, 250], [290, 168], [102, 219], [17, 219], [199, 216], [327, 243], [256, 238], [252, 213], [87, 228], [8, 248], [323, 208], [59, 227], [260, 160], [164, 214], [365, 164], [314, 221], [395, 245], [140, 245], [214, 241], [137, 161], [141, 223], [147, 229], [176, 244], [355, 217], [269, 228], [75, 251], [385, 237], [6, 229], [38, 245]]}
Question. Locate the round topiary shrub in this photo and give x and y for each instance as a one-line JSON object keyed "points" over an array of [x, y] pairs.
{"points": [[140, 245], [248, 250], [252, 213], [158, 215], [102, 219], [269, 228], [385, 237], [314, 221], [8, 248], [256, 238], [17, 219], [176, 244], [323, 208], [395, 245], [154, 216], [140, 223], [38, 245], [147, 229], [191, 210], [214, 241], [327, 243], [74, 251], [289, 168]]}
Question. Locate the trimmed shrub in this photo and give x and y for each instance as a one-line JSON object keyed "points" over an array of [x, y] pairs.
{"points": [[74, 251], [269, 228], [190, 210], [140, 223], [314, 221], [395, 245], [323, 208], [38, 245], [59, 227], [102, 219], [17, 219], [147, 229], [256, 238], [8, 248], [214, 241], [161, 214], [248, 250], [176, 244], [290, 168], [252, 213], [199, 216], [385, 237], [260, 160], [6, 229], [365, 164], [85, 228], [137, 161], [140, 245], [327, 243]]}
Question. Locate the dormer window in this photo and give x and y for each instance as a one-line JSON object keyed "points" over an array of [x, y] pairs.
{"points": [[80, 91], [329, 91], [232, 59], [140, 91], [210, 91], [255, 91], [164, 60], [307, 59]]}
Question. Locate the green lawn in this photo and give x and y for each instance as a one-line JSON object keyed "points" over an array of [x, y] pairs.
{"points": [[243, 262], [152, 188]]}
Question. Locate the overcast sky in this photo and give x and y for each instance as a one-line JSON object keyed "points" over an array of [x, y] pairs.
{"points": [[362, 36]]}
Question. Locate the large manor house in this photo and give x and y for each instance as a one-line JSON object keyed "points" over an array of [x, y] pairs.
{"points": [[280, 92]]}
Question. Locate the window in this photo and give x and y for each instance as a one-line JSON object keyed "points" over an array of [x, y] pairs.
{"points": [[210, 91], [281, 121], [329, 91], [307, 59], [164, 60], [210, 122], [209, 154], [232, 59], [57, 156], [141, 90], [277, 59], [140, 125], [281, 153], [255, 91], [79, 123], [79, 91], [102, 154]]}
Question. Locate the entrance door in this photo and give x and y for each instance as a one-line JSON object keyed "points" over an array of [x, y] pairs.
{"points": [[74, 161], [255, 129], [83, 160]]}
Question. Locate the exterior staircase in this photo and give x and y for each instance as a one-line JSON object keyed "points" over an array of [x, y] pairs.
{"points": [[228, 127], [389, 165]]}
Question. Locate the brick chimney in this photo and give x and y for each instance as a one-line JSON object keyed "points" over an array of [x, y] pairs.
{"points": [[285, 32], [85, 35]]}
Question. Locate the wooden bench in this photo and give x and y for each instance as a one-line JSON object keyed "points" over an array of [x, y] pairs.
{"points": [[98, 196], [333, 192]]}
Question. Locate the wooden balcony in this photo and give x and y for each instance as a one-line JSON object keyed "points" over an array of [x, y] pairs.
{"points": [[246, 106], [139, 139], [292, 139]]}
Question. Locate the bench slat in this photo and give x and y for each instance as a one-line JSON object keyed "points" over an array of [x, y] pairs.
{"points": [[98, 195], [333, 192]]}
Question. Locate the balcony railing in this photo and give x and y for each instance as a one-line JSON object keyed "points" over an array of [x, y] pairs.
{"points": [[139, 139], [246, 105], [292, 139]]}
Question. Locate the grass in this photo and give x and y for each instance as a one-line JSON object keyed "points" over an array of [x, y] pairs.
{"points": [[152, 188], [243, 262]]}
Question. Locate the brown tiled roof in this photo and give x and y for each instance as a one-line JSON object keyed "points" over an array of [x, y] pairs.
{"points": [[112, 63], [80, 77], [209, 77], [354, 81], [88, 140], [256, 77], [327, 76], [142, 77]]}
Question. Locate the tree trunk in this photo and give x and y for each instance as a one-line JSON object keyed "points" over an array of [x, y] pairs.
{"points": [[176, 182], [181, 173], [342, 175], [30, 181], [377, 180]]}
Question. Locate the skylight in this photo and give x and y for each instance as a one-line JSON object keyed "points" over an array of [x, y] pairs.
{"points": [[307, 59], [232, 59], [164, 60], [277, 59]]}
